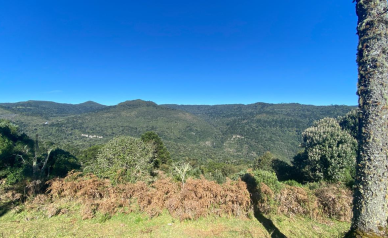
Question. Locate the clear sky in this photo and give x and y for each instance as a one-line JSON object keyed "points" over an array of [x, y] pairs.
{"points": [[182, 52]]}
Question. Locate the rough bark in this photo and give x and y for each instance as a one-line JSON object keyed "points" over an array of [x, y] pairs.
{"points": [[370, 201]]}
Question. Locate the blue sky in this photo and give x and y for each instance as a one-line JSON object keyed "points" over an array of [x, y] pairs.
{"points": [[182, 52]]}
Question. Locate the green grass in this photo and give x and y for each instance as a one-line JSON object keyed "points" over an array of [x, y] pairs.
{"points": [[305, 227], [126, 225], [23, 222]]}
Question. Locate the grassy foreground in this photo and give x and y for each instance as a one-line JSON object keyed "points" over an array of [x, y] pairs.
{"points": [[16, 223]]}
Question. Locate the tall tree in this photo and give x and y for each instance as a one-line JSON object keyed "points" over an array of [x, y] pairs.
{"points": [[162, 157], [370, 201], [329, 152]]}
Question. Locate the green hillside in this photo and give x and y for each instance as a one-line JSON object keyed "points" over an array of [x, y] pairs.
{"points": [[51, 109], [250, 130], [219, 133]]}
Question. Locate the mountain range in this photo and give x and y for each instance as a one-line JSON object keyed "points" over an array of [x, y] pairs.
{"points": [[235, 132]]}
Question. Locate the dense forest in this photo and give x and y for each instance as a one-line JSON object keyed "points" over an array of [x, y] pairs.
{"points": [[217, 133]]}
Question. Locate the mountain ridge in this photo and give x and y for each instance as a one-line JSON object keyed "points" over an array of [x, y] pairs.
{"points": [[202, 132]]}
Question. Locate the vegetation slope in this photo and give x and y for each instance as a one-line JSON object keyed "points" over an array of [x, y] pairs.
{"points": [[205, 133]]}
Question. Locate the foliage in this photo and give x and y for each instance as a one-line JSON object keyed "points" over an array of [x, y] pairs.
{"points": [[291, 198], [284, 171], [350, 122], [256, 177], [145, 209], [218, 171], [162, 157], [6, 149], [264, 162], [18, 151], [15, 151], [181, 170], [51, 109], [13, 174], [198, 198], [124, 159], [61, 162], [219, 133], [292, 183], [8, 138], [329, 153], [89, 155], [250, 130], [335, 201]]}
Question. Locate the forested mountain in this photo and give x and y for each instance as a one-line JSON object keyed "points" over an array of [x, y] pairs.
{"points": [[255, 128], [220, 133], [52, 109]]}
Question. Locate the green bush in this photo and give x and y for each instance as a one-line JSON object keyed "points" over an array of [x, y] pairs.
{"points": [[61, 162], [238, 175], [256, 177], [124, 159], [13, 175], [264, 162], [292, 183]]}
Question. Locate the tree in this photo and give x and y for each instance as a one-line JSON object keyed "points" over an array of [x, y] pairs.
{"points": [[60, 163], [124, 159], [370, 198], [264, 162], [330, 152], [89, 155], [8, 137], [181, 170], [6, 149], [161, 155], [350, 123], [22, 157]]}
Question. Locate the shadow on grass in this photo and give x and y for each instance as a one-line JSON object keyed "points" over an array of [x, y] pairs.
{"points": [[5, 207], [267, 223], [269, 226]]}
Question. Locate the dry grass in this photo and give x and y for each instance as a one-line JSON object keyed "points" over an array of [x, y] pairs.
{"points": [[297, 201], [265, 198], [85, 206], [335, 202], [198, 198], [328, 201]]}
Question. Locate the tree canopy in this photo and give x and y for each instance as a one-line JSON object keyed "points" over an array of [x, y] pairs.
{"points": [[329, 152]]}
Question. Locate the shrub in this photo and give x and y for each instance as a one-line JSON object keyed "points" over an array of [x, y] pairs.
{"points": [[264, 162], [284, 171], [198, 198], [292, 183], [335, 201], [297, 201], [61, 162], [14, 175], [263, 185], [124, 159], [257, 177]]}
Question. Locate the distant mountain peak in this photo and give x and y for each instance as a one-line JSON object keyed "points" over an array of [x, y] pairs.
{"points": [[90, 103], [137, 103]]}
